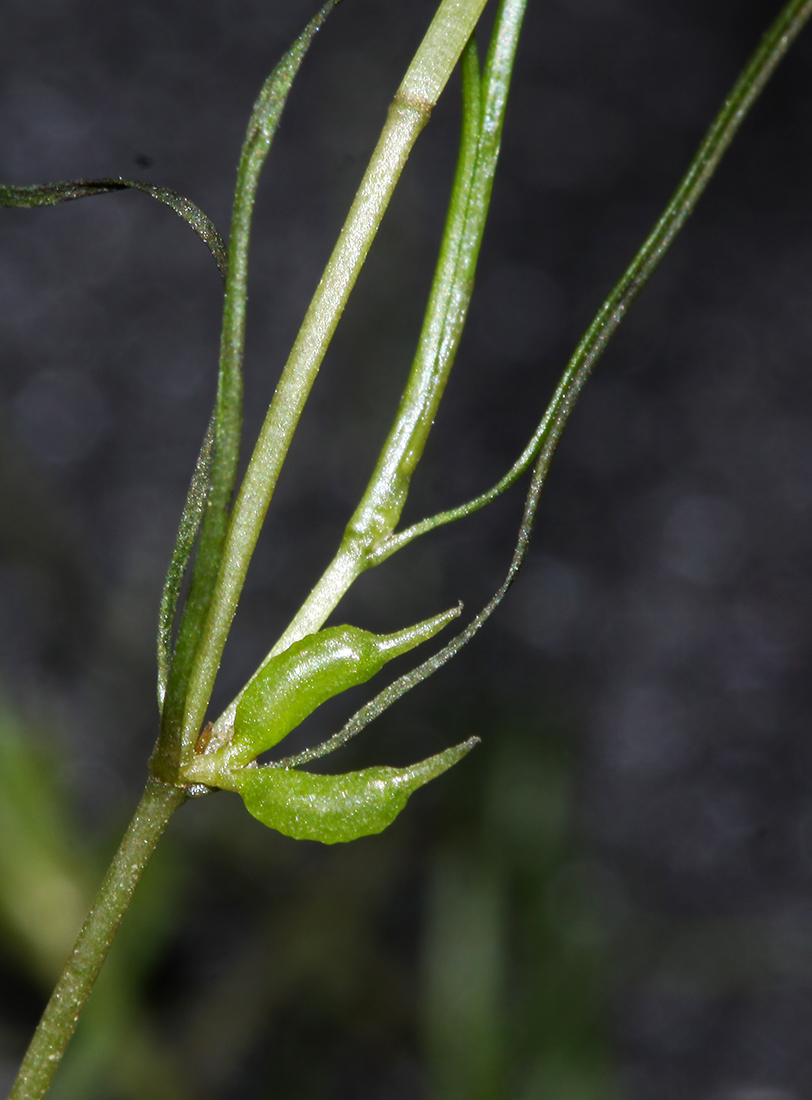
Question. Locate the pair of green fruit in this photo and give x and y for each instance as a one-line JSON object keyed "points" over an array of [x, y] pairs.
{"points": [[288, 688]]}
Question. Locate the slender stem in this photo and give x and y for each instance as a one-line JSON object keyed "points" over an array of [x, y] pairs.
{"points": [[58, 1022], [425, 79], [746, 90]]}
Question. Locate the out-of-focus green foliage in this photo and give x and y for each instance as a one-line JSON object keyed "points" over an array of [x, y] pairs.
{"points": [[44, 886], [517, 930]]}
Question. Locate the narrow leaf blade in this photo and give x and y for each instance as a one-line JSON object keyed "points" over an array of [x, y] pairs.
{"points": [[207, 615], [187, 533], [49, 194]]}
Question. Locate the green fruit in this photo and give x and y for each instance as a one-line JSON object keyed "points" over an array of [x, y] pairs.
{"points": [[294, 683], [332, 808]]}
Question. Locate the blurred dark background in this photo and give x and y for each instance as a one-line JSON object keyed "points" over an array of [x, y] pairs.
{"points": [[612, 897]]}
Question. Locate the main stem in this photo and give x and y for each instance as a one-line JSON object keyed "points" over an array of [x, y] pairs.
{"points": [[59, 1020]]}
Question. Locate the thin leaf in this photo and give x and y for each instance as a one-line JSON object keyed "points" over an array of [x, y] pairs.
{"points": [[484, 105], [184, 710], [49, 194], [187, 533]]}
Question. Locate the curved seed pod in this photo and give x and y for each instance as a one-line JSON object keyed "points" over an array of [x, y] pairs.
{"points": [[294, 683], [333, 808]]}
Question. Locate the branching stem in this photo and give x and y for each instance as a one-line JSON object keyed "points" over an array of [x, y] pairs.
{"points": [[425, 79]]}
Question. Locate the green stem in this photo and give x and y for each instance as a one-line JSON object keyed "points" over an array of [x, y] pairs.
{"points": [[746, 90], [59, 1020], [425, 79]]}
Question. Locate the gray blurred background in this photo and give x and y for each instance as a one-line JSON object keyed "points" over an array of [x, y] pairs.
{"points": [[612, 897]]}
